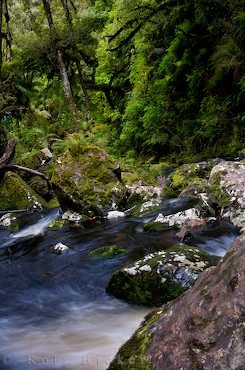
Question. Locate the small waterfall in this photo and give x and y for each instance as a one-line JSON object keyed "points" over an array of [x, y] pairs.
{"points": [[33, 230]]}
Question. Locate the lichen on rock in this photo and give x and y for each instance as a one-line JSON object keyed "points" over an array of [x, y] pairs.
{"points": [[227, 181], [9, 221], [160, 276]]}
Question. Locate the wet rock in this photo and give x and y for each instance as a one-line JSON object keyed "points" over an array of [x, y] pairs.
{"points": [[115, 214], [202, 329], [56, 224], [227, 180], [9, 221], [108, 251], [60, 248], [159, 277], [15, 194], [195, 187], [73, 216], [157, 226], [179, 218], [84, 182], [189, 226]]}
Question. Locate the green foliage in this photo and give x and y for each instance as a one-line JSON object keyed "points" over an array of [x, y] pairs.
{"points": [[158, 78], [180, 71]]}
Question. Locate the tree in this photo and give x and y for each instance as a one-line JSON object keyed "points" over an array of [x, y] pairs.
{"points": [[60, 60]]}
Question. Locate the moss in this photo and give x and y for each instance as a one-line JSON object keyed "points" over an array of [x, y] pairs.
{"points": [[16, 194], [178, 180], [156, 226], [133, 354], [56, 224], [53, 203], [85, 182], [32, 159], [145, 282], [219, 193], [108, 251], [187, 174], [168, 192]]}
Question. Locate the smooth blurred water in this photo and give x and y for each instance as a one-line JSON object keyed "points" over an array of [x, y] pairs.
{"points": [[54, 311]]}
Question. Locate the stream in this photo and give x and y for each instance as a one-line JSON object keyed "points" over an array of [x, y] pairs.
{"points": [[54, 311]]}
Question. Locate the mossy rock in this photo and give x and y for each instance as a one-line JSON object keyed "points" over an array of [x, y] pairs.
{"points": [[219, 192], [39, 185], [160, 276], [53, 203], [9, 221], [157, 226], [195, 187], [132, 355], [56, 224], [15, 194], [84, 181], [186, 174], [108, 251], [143, 208]]}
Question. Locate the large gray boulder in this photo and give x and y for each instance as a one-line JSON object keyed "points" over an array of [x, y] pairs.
{"points": [[202, 329]]}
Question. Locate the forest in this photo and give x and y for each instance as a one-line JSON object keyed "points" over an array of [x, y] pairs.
{"points": [[122, 174], [144, 79]]}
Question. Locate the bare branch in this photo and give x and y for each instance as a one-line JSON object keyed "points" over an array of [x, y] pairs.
{"points": [[14, 167]]}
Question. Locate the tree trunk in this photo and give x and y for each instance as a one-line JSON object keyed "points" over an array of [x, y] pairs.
{"points": [[80, 74], [60, 60]]}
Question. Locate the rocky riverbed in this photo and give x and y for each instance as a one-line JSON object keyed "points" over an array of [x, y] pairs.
{"points": [[122, 234]]}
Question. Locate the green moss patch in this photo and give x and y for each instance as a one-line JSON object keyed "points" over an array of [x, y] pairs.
{"points": [[16, 194], [159, 277], [132, 355], [157, 226], [84, 181], [108, 251]]}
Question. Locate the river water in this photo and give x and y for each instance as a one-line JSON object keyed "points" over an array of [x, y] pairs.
{"points": [[54, 311]]}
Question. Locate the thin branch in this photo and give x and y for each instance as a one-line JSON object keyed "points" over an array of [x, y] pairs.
{"points": [[14, 167], [139, 26]]}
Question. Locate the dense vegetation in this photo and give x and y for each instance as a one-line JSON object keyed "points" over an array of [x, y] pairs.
{"points": [[156, 78]]}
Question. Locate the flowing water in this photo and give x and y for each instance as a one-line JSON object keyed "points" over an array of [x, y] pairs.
{"points": [[54, 311]]}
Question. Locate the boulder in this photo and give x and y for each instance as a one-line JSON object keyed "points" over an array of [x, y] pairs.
{"points": [[85, 181], [179, 218], [160, 276], [187, 173], [15, 194], [227, 181], [202, 329], [9, 221]]}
